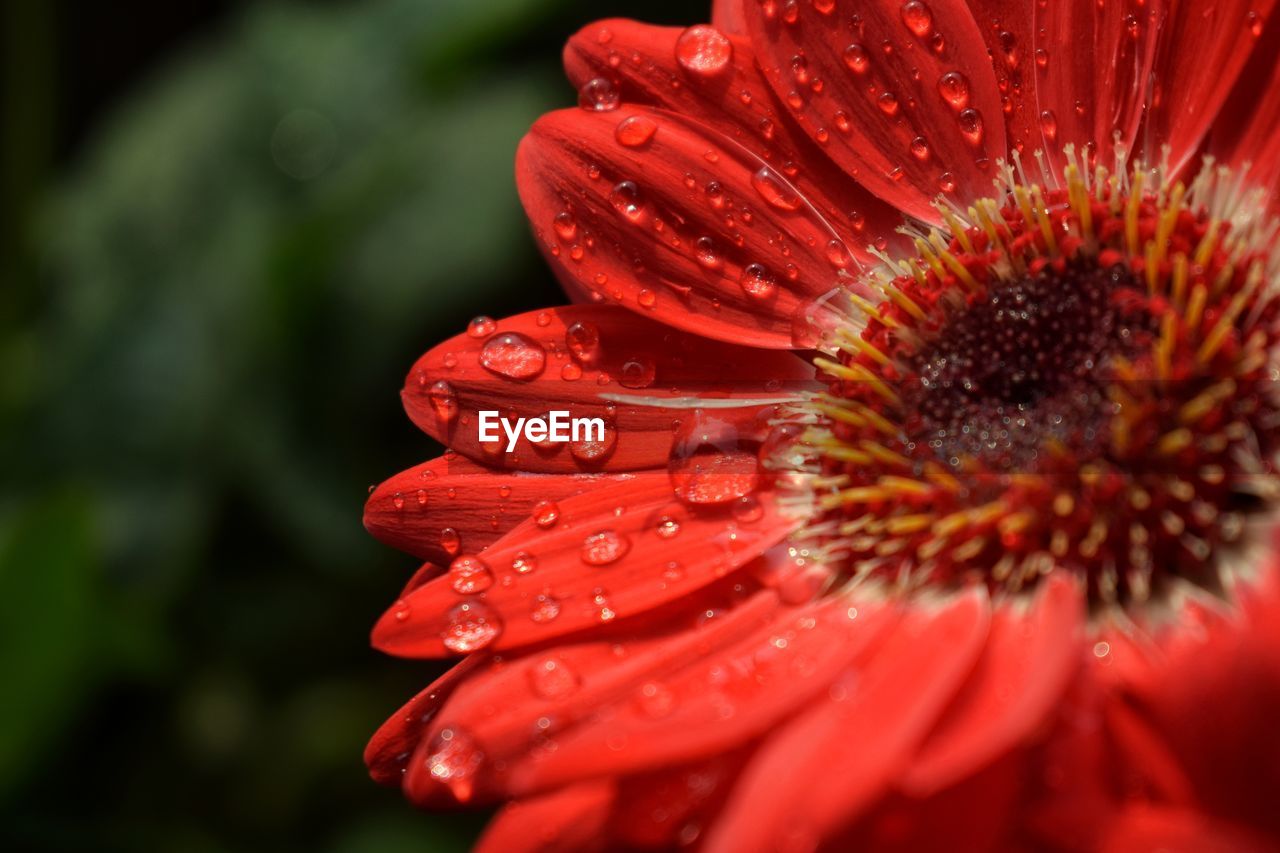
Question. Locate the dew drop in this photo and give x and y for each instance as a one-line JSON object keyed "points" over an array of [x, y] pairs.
{"points": [[546, 514], [917, 17], [635, 131], [888, 103], [545, 609], [920, 148], [553, 679], [604, 547], [444, 400], [565, 226], [450, 541], [856, 57], [583, 341], [523, 563], [1049, 125], [704, 250], [626, 199], [775, 190], [954, 88], [397, 500], [712, 475], [471, 626], [638, 372], [667, 527], [469, 575], [481, 327], [970, 122], [757, 282], [703, 51], [599, 95], [454, 759], [513, 355]]}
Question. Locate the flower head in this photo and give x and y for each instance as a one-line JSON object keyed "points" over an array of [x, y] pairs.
{"points": [[934, 346]]}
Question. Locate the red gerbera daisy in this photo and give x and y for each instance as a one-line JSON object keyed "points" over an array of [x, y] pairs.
{"points": [[998, 573]]}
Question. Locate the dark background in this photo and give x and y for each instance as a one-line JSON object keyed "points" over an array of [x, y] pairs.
{"points": [[228, 230]]}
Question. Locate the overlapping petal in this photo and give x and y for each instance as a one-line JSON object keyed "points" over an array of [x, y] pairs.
{"points": [[671, 219], [1093, 69], [1204, 45], [651, 385], [610, 554], [711, 76], [871, 720], [571, 819], [902, 95]]}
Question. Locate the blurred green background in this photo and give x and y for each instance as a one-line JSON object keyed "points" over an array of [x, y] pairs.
{"points": [[228, 230]]}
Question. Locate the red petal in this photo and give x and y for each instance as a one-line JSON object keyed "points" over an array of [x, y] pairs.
{"points": [[673, 220], [1203, 48], [440, 508], [1093, 64], [570, 819], [658, 810], [638, 362], [850, 747], [1024, 669], [734, 100], [389, 749], [727, 15], [1247, 130], [713, 701], [1006, 26], [513, 712], [613, 553], [865, 80], [1145, 826]]}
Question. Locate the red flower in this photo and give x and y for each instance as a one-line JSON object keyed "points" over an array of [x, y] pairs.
{"points": [[1000, 574]]}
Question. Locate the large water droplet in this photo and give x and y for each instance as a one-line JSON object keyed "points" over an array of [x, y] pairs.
{"points": [[469, 575], [604, 547], [583, 341], [599, 95], [545, 609], [481, 327], [513, 355], [703, 50], [523, 563], [757, 282], [450, 541], [970, 122], [638, 372], [626, 199], [470, 626], [444, 400], [857, 58], [454, 760]]}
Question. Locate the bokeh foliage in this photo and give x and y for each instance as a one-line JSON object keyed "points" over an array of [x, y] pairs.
{"points": [[207, 315]]}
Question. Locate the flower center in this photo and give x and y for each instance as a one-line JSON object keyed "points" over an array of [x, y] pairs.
{"points": [[1077, 379]]}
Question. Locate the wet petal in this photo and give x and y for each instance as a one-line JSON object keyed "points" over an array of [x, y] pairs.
{"points": [[708, 75], [727, 15], [388, 752], [441, 508], [716, 700], [1203, 48], [611, 554], [872, 719], [513, 712], [648, 383], [1007, 28], [1093, 66], [667, 217], [901, 95], [1247, 129], [570, 819], [1028, 660]]}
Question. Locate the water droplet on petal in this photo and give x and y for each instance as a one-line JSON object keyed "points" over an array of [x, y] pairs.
{"points": [[757, 282], [704, 250], [635, 131], [481, 327], [703, 50], [917, 17], [523, 563], [469, 575], [565, 225], [553, 679], [583, 341], [626, 199], [856, 57], [888, 103], [970, 122], [604, 547], [774, 189], [545, 609], [450, 541], [471, 626], [546, 514], [513, 355], [667, 527], [1049, 125], [638, 372], [444, 400], [954, 88], [599, 95]]}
